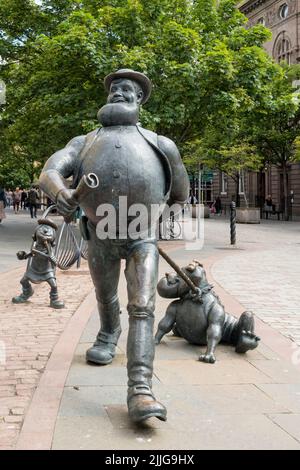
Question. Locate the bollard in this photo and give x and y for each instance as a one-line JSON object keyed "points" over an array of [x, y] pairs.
{"points": [[232, 223]]}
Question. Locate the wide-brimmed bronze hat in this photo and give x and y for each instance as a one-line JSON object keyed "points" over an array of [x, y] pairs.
{"points": [[47, 222], [140, 78]]}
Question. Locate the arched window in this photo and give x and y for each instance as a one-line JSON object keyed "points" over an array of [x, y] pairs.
{"points": [[284, 50], [283, 11], [261, 21]]}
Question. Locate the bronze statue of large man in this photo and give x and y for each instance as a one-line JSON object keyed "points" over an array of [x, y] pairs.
{"points": [[145, 168]]}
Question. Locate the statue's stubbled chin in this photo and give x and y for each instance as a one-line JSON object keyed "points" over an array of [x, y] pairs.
{"points": [[118, 114]]}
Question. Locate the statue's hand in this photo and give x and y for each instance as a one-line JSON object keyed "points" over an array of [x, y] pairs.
{"points": [[21, 255], [65, 203]]}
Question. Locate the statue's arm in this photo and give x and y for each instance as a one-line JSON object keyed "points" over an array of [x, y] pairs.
{"points": [[62, 164], [180, 181], [23, 255]]}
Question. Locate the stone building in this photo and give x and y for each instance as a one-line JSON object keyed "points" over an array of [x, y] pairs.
{"points": [[282, 17]]}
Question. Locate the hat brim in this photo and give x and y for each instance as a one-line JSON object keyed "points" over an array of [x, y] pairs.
{"points": [[140, 78]]}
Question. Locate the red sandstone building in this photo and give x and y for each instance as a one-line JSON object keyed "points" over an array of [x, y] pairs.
{"points": [[282, 17]]}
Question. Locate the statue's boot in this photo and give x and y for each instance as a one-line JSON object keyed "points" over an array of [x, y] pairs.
{"points": [[56, 303], [27, 292], [246, 339], [103, 350], [54, 300], [140, 354]]}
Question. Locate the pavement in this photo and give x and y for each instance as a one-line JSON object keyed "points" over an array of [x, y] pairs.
{"points": [[28, 332], [15, 234], [247, 401]]}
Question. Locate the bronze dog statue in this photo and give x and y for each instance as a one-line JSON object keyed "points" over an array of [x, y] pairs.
{"points": [[201, 318]]}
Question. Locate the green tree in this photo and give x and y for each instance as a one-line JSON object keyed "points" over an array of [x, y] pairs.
{"points": [[233, 157], [276, 128], [22, 21], [208, 71]]}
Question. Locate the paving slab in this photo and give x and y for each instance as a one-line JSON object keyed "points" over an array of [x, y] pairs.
{"points": [[289, 422], [88, 374], [172, 348], [278, 371], [287, 395], [219, 432], [217, 400], [226, 372], [90, 401]]}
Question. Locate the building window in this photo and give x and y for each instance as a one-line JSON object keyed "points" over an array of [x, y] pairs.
{"points": [[284, 51], [261, 21], [224, 183], [283, 11]]}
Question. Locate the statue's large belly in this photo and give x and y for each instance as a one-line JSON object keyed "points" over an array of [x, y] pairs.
{"points": [[127, 167], [191, 322]]}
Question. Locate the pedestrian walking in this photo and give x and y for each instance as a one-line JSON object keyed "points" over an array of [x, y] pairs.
{"points": [[16, 196], [269, 203], [23, 199], [32, 201], [218, 205], [193, 199], [8, 195], [213, 207], [2, 204], [269, 206]]}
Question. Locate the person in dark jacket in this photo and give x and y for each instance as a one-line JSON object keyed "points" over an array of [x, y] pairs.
{"points": [[218, 205], [23, 199], [32, 200], [2, 204]]}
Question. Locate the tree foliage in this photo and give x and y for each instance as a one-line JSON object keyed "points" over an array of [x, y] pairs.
{"points": [[276, 128], [210, 74]]}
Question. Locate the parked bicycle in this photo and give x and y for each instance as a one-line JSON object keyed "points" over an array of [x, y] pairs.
{"points": [[170, 229]]}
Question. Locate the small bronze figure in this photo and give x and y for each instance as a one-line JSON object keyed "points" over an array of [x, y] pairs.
{"points": [[41, 264], [200, 317], [141, 167]]}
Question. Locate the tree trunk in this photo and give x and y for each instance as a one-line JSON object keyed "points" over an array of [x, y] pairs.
{"points": [[285, 192], [244, 193], [237, 190]]}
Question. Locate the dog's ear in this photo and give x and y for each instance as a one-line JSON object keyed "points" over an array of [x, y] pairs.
{"points": [[190, 268], [198, 263]]}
